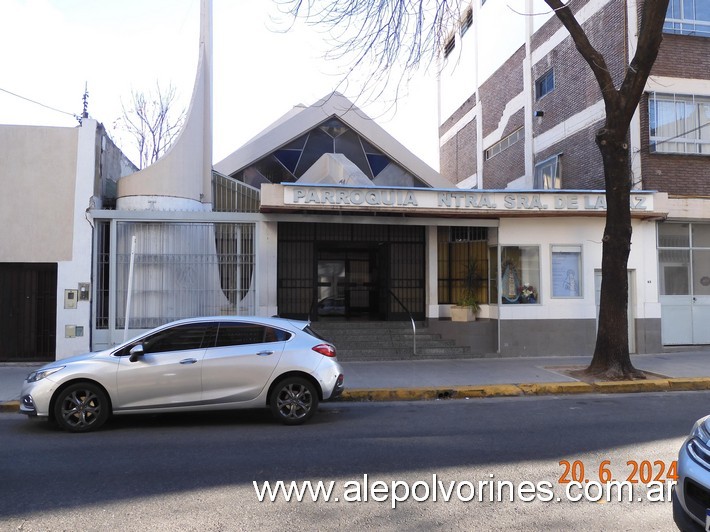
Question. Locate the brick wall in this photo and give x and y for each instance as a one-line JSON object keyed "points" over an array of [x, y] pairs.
{"points": [[582, 166], [687, 175], [499, 89], [680, 56], [469, 104], [458, 156], [505, 167], [553, 24], [683, 56], [575, 90], [509, 164], [575, 85]]}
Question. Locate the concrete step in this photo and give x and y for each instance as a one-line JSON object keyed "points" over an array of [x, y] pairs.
{"points": [[386, 355], [386, 344], [432, 350], [363, 340], [382, 337], [364, 324]]}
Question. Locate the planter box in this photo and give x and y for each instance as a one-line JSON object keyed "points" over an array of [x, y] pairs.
{"points": [[462, 313]]}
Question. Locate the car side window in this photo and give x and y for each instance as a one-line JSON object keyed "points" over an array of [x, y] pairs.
{"points": [[276, 335], [181, 338], [248, 333]]}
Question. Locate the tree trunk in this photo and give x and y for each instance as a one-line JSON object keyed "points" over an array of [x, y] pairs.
{"points": [[611, 358]]}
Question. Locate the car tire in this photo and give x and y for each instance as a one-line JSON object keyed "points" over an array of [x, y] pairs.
{"points": [[293, 400], [81, 407]]}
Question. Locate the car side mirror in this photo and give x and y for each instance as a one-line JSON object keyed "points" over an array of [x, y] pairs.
{"points": [[136, 352]]}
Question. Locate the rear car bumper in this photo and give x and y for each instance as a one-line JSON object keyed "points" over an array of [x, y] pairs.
{"points": [[338, 388]]}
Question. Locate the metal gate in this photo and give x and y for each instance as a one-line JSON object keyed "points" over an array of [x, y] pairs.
{"points": [[351, 271], [28, 311]]}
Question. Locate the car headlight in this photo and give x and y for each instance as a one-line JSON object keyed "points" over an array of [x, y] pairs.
{"points": [[701, 431], [42, 373], [698, 443]]}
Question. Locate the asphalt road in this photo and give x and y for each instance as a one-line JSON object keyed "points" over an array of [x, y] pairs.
{"points": [[191, 472]]}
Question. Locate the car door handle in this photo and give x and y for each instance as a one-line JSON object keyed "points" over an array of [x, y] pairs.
{"points": [[265, 353], [188, 361]]}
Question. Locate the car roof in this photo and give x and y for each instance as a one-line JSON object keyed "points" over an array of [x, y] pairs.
{"points": [[263, 320]]}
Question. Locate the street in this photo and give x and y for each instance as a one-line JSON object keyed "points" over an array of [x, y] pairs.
{"points": [[190, 472]]}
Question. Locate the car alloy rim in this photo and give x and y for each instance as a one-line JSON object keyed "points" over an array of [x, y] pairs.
{"points": [[81, 408], [294, 401]]}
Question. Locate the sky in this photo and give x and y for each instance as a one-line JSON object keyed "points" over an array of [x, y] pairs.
{"points": [[53, 49]]}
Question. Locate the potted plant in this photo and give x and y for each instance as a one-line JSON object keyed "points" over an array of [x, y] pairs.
{"points": [[466, 310], [528, 294], [468, 306]]}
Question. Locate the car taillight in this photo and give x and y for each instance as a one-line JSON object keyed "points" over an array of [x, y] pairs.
{"points": [[325, 350]]}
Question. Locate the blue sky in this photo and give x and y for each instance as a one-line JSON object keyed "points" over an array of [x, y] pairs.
{"points": [[51, 48]]}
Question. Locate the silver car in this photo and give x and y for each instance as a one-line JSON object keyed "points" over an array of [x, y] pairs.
{"points": [[198, 364], [691, 496]]}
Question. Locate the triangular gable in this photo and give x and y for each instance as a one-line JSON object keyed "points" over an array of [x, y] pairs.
{"points": [[300, 120]]}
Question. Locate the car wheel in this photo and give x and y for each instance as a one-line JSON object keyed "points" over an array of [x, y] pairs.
{"points": [[81, 407], [293, 401]]}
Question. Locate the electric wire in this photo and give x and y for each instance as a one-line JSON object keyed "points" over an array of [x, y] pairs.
{"points": [[73, 115]]}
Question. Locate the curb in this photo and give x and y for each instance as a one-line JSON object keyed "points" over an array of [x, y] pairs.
{"points": [[513, 390], [10, 406], [425, 393]]}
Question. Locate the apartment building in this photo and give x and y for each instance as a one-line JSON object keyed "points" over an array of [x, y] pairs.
{"points": [[519, 109]]}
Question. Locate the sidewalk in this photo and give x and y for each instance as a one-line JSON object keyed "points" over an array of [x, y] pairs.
{"points": [[487, 377], [481, 377]]}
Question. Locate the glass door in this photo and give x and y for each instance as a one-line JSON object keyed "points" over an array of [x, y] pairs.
{"points": [[331, 288]]}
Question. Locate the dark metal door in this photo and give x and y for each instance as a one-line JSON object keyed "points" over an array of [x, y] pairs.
{"points": [[28, 311]]}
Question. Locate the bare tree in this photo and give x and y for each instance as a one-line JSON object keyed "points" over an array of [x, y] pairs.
{"points": [[611, 353], [411, 31], [152, 122]]}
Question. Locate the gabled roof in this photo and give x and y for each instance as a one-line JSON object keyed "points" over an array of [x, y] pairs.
{"points": [[302, 119]]}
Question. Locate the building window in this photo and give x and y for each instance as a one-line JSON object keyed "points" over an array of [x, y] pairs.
{"points": [[290, 162], [548, 174], [462, 264], [545, 84], [466, 22], [504, 144], [688, 17], [449, 46], [566, 271], [683, 256], [176, 270], [679, 124], [520, 278]]}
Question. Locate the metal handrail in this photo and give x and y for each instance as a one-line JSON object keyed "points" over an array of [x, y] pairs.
{"points": [[411, 318], [314, 304]]}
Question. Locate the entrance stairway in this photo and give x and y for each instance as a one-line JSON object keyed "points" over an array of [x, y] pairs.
{"points": [[379, 340]]}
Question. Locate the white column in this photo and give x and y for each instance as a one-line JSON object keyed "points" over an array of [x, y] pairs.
{"points": [[266, 261], [78, 270], [432, 272]]}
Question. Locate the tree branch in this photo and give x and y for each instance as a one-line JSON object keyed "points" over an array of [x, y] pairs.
{"points": [[650, 37], [593, 58]]}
